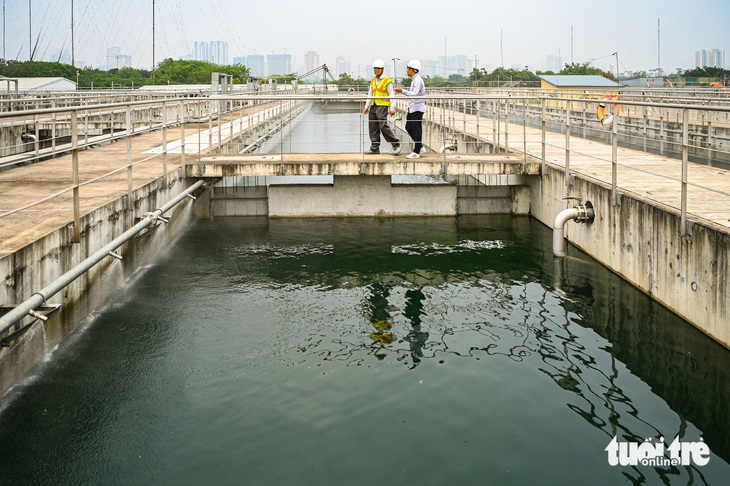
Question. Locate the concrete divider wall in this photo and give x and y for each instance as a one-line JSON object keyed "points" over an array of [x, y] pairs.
{"points": [[361, 196], [643, 244]]}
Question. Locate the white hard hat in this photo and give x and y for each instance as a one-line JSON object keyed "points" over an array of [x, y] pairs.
{"points": [[378, 63], [414, 64]]}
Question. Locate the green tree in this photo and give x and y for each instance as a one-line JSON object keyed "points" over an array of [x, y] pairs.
{"points": [[585, 69], [171, 71], [707, 72]]}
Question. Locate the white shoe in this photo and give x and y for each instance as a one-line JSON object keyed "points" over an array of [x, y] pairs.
{"points": [[413, 155]]}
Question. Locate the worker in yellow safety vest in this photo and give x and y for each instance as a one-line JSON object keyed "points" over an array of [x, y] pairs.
{"points": [[377, 107]]}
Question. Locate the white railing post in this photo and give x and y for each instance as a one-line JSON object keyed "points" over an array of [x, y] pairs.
{"points": [[543, 129], [164, 141], [568, 183], [75, 171], [614, 159], [685, 158]]}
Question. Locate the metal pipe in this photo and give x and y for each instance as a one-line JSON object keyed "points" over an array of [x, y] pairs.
{"points": [[38, 298], [581, 213], [559, 230]]}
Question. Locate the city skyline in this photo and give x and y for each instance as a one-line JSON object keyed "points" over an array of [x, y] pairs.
{"points": [[650, 34]]}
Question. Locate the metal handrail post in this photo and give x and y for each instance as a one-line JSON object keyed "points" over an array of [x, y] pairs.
{"points": [[291, 117], [506, 125], [477, 119], [567, 147], [543, 127], [53, 133], [685, 158], [661, 131], [37, 141], [164, 141], [86, 128], [182, 137], [280, 109], [646, 126], [524, 128], [498, 117], [210, 128], [75, 170], [614, 161], [710, 144], [220, 124]]}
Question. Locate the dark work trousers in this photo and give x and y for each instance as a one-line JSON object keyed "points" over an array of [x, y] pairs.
{"points": [[377, 124], [414, 127]]}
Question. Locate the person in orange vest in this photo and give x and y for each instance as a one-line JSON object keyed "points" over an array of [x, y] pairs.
{"points": [[377, 107]]}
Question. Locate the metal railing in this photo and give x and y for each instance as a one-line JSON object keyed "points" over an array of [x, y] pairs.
{"points": [[549, 128]]}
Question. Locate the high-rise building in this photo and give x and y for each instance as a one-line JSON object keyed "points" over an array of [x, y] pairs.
{"points": [[255, 63], [712, 58], [716, 58], [213, 51], [201, 51], [311, 61], [115, 59], [458, 64], [219, 52], [341, 66], [431, 67], [279, 64], [554, 63]]}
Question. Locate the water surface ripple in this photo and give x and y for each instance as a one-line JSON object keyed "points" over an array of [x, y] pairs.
{"points": [[363, 351]]}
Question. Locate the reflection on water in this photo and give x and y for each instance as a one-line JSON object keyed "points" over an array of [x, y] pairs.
{"points": [[446, 351]]}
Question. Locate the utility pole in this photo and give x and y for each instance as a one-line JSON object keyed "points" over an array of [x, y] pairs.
{"points": [[659, 45], [571, 44], [153, 42], [30, 31], [73, 51], [501, 51]]}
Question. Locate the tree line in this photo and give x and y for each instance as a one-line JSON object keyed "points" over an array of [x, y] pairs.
{"points": [[169, 71]]}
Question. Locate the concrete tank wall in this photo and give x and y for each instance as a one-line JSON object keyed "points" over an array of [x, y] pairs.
{"points": [[645, 245], [40, 263]]}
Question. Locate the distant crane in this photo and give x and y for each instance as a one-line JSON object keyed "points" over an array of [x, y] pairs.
{"points": [[325, 72]]}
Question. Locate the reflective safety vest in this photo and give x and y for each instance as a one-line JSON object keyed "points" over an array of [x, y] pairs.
{"points": [[380, 90]]}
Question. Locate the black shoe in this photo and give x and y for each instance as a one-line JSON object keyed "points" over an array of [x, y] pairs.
{"points": [[396, 148], [373, 151]]}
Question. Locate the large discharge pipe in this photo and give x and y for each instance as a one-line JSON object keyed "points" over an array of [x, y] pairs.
{"points": [[579, 214], [37, 299]]}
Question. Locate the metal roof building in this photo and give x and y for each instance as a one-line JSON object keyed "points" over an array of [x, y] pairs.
{"points": [[556, 81], [37, 84]]}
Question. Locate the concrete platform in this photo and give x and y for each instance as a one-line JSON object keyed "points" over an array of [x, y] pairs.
{"points": [[430, 164]]}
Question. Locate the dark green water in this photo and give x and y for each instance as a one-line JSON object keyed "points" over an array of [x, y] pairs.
{"points": [[410, 351]]}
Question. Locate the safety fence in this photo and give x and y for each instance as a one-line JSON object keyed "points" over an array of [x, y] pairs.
{"points": [[660, 150]]}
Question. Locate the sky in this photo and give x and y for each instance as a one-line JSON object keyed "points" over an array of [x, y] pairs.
{"points": [[519, 33]]}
